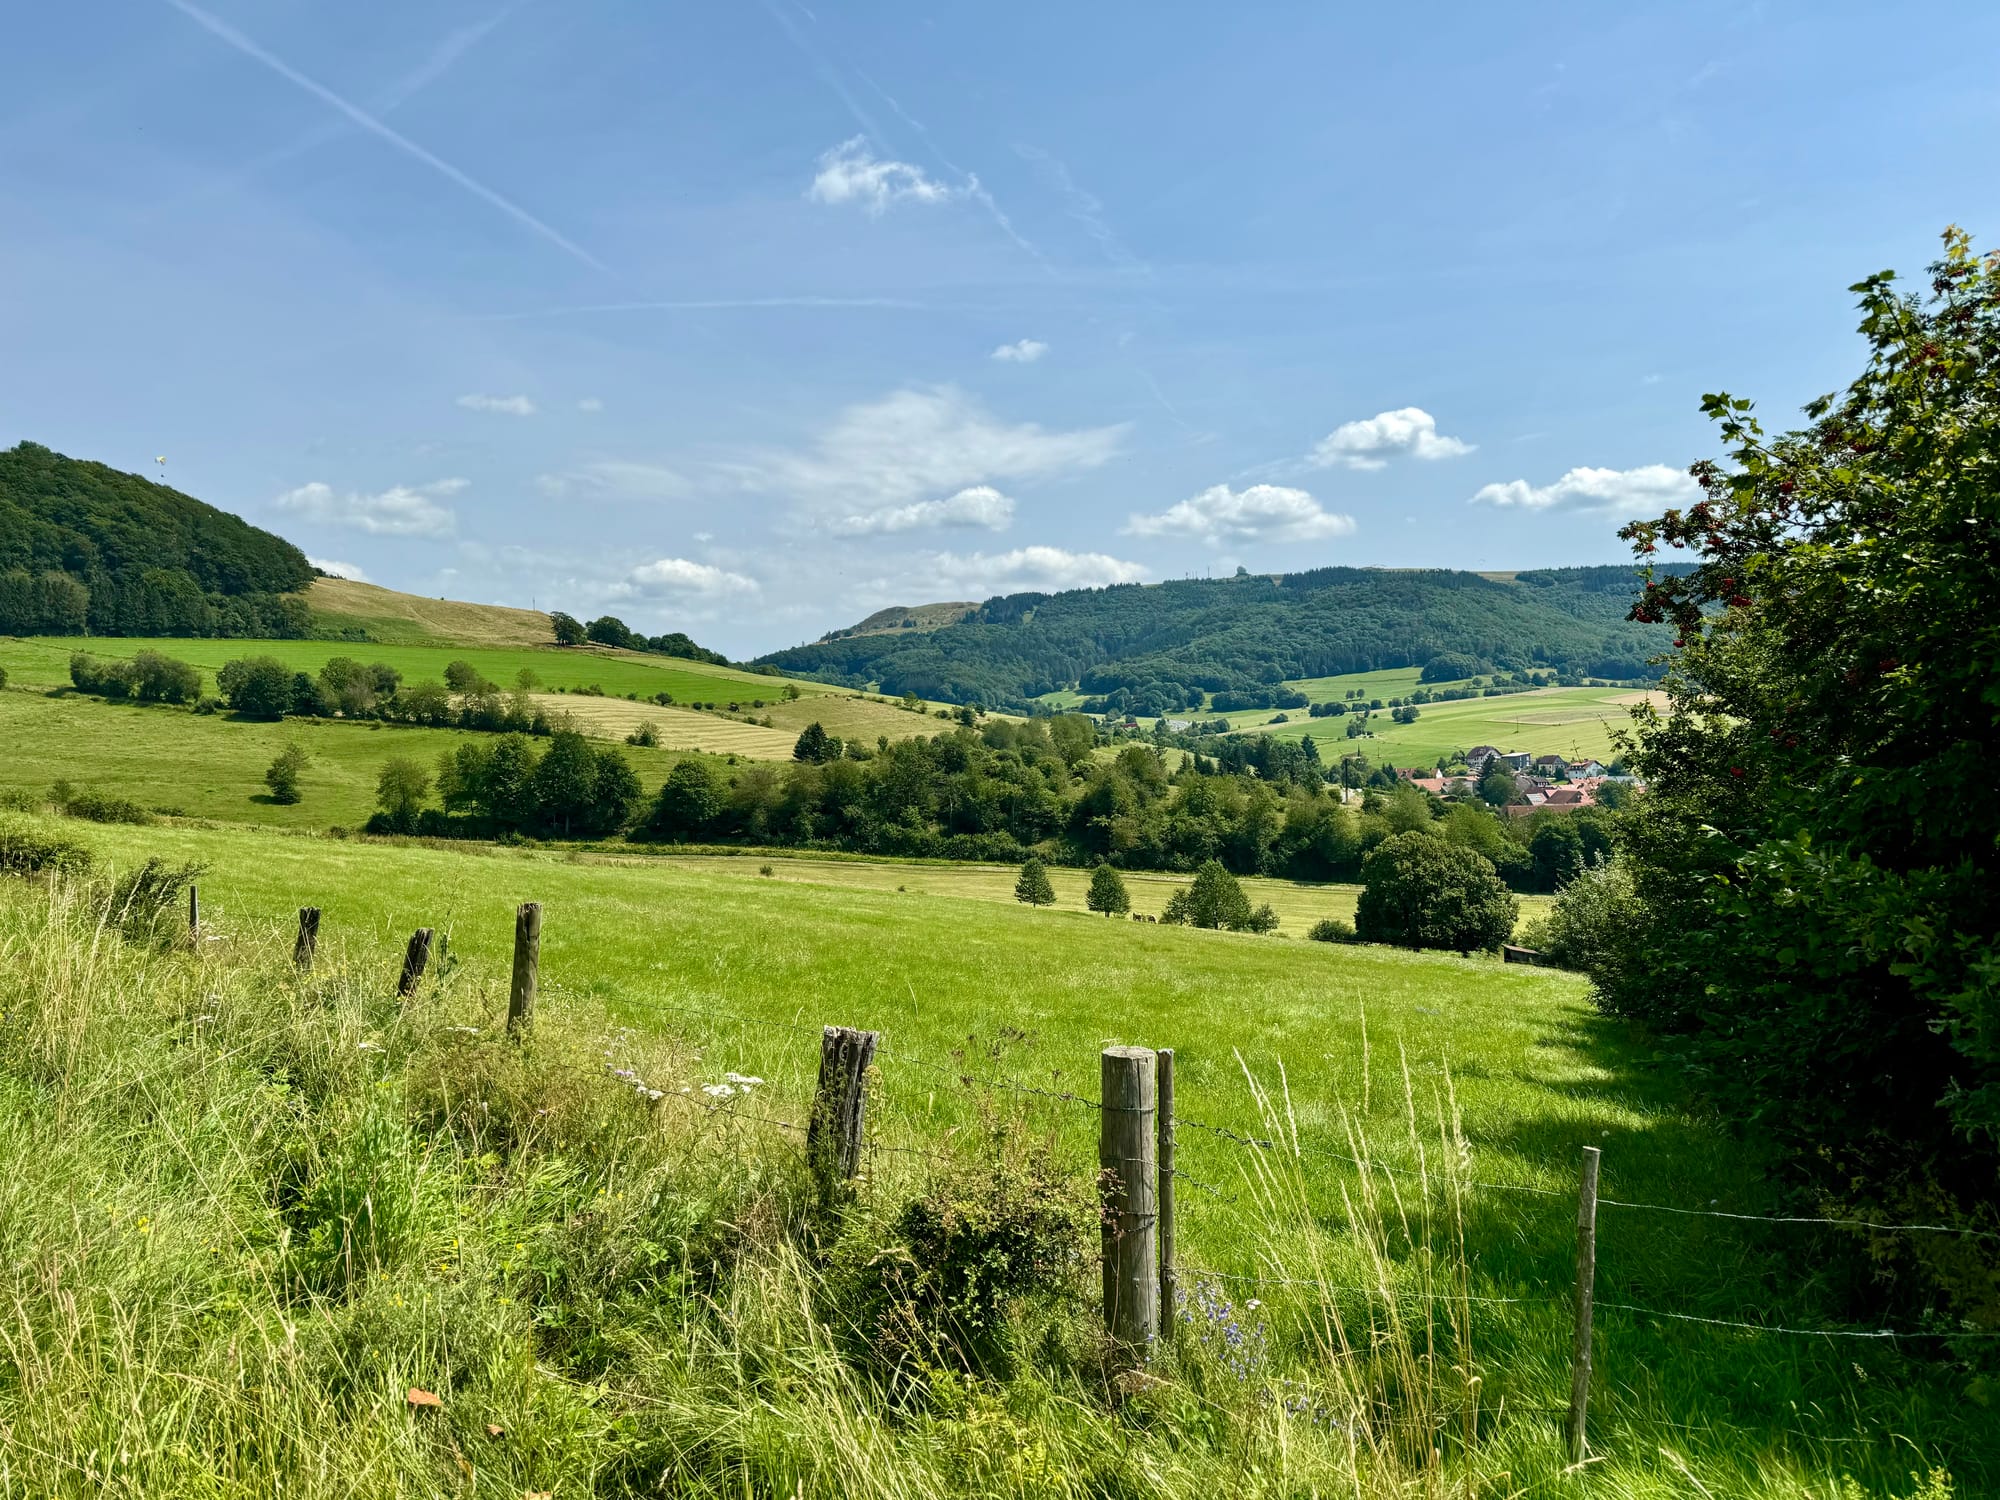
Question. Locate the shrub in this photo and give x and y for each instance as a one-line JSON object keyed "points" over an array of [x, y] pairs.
{"points": [[1009, 1229], [1420, 892], [97, 807], [1332, 930], [158, 678], [104, 679], [29, 849], [282, 776], [148, 905], [1598, 928], [645, 735]]}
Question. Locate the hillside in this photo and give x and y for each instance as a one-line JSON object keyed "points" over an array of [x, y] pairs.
{"points": [[906, 619], [341, 606], [85, 547], [1166, 646]]}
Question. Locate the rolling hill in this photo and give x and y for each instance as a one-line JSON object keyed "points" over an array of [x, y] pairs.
{"points": [[1157, 648], [86, 547]]}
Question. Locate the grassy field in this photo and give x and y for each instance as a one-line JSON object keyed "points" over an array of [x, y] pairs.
{"points": [[1491, 1077], [847, 715], [1572, 722], [45, 662], [1577, 723], [1297, 904], [412, 620], [212, 766]]}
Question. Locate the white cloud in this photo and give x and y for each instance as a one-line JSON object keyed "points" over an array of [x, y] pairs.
{"points": [[511, 406], [1021, 352], [1622, 492], [852, 173], [590, 403], [911, 444], [1369, 444], [980, 575], [678, 576], [345, 570], [615, 479], [1259, 513], [404, 510], [977, 505]]}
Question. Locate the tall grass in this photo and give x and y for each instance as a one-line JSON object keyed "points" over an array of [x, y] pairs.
{"points": [[245, 1213]]}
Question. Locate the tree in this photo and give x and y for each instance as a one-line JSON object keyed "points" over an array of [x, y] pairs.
{"points": [[1557, 851], [258, 687], [282, 775], [164, 679], [1812, 855], [565, 783], [427, 703], [462, 676], [815, 746], [1452, 666], [568, 629], [1107, 892], [791, 692], [1496, 787], [1419, 891], [687, 805], [616, 793], [506, 794], [1033, 887], [1074, 737], [400, 790], [609, 630]]}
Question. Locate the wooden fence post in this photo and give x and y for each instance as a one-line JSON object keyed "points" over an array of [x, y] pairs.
{"points": [[833, 1137], [194, 912], [415, 959], [1127, 1178], [1168, 1298], [307, 946], [527, 968], [1586, 1286]]}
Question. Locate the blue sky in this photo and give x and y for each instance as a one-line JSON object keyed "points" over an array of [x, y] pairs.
{"points": [[750, 318]]}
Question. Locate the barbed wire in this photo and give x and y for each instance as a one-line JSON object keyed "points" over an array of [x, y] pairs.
{"points": [[1711, 1213], [1824, 1333], [1261, 1279]]}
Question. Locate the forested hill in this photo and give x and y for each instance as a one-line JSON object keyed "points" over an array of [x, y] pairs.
{"points": [[1169, 643], [87, 547]]}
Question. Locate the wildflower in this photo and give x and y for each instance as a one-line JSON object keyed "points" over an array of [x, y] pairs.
{"points": [[717, 1090], [367, 1046], [742, 1081]]}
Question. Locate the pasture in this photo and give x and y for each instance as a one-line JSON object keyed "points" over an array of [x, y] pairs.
{"points": [[1576, 723], [44, 662], [1492, 1077], [212, 766], [1298, 904]]}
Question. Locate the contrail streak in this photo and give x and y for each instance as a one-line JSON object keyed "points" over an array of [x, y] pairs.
{"points": [[227, 33]]}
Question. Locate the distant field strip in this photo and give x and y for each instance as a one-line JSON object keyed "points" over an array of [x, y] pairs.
{"points": [[678, 728], [45, 661], [1298, 904]]}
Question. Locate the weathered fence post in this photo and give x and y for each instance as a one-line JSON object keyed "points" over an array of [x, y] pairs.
{"points": [[1127, 1179], [833, 1137], [416, 958], [1586, 1286], [1164, 1074], [307, 946], [527, 968], [194, 912]]}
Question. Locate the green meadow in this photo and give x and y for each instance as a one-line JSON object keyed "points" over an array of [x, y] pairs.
{"points": [[1425, 1292], [44, 661], [212, 765]]}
